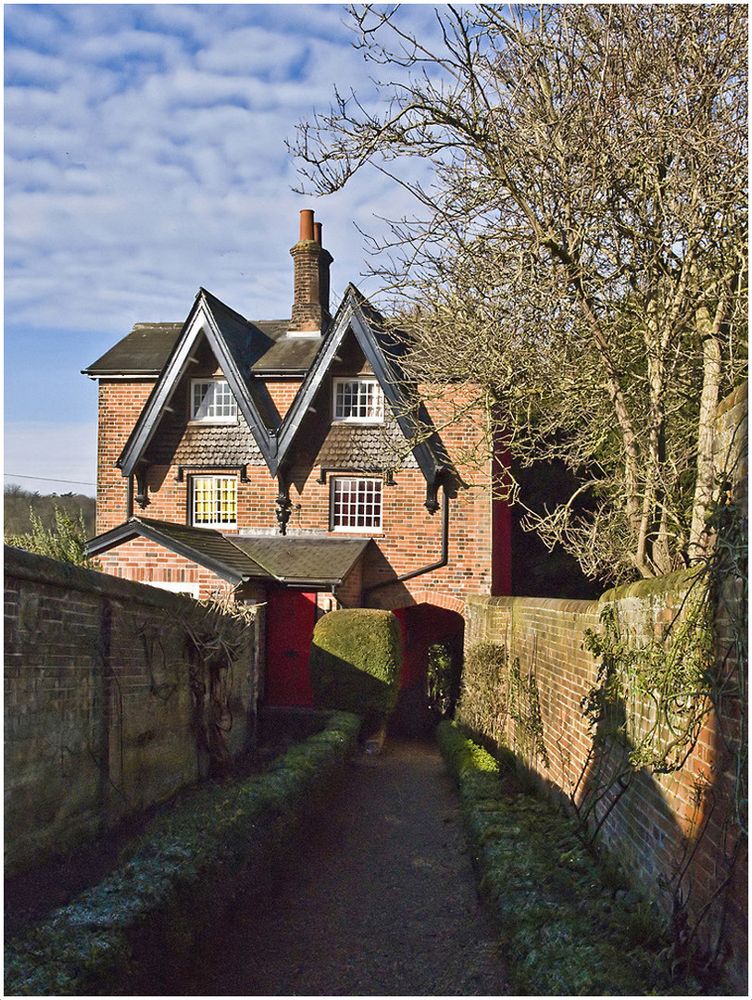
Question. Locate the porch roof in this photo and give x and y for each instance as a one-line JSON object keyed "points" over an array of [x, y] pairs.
{"points": [[298, 560]]}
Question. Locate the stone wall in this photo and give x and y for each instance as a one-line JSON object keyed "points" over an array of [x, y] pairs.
{"points": [[106, 701]]}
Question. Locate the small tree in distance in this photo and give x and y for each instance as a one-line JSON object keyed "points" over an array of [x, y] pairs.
{"points": [[579, 260]]}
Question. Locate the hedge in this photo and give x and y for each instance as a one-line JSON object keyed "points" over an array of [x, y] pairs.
{"points": [[356, 660], [144, 920], [565, 931]]}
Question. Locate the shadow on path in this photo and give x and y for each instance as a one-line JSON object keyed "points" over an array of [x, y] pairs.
{"points": [[380, 899]]}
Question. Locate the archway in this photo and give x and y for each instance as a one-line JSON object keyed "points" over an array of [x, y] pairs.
{"points": [[422, 626]]}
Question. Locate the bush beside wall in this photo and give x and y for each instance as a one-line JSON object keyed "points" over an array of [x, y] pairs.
{"points": [[355, 661], [137, 926], [564, 932]]}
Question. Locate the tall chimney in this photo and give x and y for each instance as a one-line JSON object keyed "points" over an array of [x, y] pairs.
{"points": [[310, 307]]}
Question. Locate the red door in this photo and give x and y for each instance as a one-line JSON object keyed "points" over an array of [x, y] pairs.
{"points": [[290, 617]]}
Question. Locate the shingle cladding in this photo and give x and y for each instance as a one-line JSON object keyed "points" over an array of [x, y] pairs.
{"points": [[368, 447]]}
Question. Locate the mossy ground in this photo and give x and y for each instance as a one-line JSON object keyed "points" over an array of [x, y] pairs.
{"points": [[564, 929]]}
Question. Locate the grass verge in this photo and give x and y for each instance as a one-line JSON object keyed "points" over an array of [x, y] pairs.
{"points": [[141, 923], [564, 930]]}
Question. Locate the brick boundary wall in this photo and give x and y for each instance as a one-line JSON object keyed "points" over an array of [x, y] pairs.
{"points": [[662, 819], [100, 715]]}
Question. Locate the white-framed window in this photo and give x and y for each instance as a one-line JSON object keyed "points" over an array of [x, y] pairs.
{"points": [[358, 401], [212, 401], [356, 504], [214, 501]]}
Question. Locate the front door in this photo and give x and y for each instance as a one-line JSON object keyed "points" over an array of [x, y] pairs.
{"points": [[290, 617]]}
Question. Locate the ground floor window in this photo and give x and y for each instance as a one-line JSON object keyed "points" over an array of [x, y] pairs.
{"points": [[214, 501], [356, 504]]}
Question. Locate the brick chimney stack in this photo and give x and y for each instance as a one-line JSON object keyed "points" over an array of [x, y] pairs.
{"points": [[310, 307]]}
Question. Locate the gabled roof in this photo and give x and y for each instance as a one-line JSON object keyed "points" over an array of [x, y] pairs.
{"points": [[145, 350], [305, 560], [243, 353], [382, 350], [204, 546], [230, 338]]}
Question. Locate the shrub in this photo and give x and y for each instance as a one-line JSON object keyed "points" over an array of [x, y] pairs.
{"points": [[564, 932], [142, 922], [484, 700], [356, 659], [65, 540]]}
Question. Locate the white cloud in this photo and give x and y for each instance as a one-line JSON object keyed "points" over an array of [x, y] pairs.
{"points": [[145, 156]]}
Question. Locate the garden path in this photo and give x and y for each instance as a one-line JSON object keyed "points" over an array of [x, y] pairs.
{"points": [[380, 899]]}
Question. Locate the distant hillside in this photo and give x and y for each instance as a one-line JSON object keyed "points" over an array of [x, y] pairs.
{"points": [[17, 502]]}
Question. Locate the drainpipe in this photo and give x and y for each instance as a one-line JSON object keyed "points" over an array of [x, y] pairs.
{"points": [[424, 569]]}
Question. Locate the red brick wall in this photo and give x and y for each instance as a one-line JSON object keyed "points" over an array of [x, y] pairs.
{"points": [[649, 829], [411, 537], [144, 561], [282, 391], [120, 404]]}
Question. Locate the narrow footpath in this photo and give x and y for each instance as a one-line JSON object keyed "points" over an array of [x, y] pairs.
{"points": [[380, 900]]}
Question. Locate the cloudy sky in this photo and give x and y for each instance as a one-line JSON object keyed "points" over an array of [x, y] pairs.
{"points": [[144, 157]]}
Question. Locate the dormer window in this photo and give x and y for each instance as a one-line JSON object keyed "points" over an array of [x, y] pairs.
{"points": [[212, 402], [358, 401]]}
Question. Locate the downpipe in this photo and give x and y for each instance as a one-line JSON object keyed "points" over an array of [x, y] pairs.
{"points": [[423, 569]]}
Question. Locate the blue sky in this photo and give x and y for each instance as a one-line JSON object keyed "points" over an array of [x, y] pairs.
{"points": [[145, 156]]}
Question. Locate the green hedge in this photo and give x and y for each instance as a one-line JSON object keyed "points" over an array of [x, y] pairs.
{"points": [[141, 922], [356, 660], [565, 932]]}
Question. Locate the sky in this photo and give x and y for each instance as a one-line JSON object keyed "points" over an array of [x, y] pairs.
{"points": [[144, 157]]}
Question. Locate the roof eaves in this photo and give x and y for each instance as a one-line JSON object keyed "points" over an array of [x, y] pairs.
{"points": [[135, 527]]}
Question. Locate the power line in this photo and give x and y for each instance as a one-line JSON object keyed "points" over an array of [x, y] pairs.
{"points": [[44, 479]]}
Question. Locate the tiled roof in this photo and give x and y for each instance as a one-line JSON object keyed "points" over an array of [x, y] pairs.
{"points": [[237, 557], [205, 546], [261, 345], [303, 558]]}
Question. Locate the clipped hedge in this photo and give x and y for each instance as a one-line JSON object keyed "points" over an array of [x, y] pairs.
{"points": [[356, 658], [139, 924], [564, 931]]}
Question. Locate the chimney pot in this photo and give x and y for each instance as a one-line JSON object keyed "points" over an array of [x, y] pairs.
{"points": [[317, 233], [306, 225]]}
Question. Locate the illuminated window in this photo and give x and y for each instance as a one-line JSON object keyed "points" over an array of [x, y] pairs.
{"points": [[358, 400], [212, 401], [356, 504], [214, 501]]}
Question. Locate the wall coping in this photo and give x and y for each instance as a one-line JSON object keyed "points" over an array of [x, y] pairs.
{"points": [[544, 603], [25, 565], [681, 580]]}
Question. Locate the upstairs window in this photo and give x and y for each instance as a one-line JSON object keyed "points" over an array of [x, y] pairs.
{"points": [[356, 505], [212, 401], [214, 501], [358, 401]]}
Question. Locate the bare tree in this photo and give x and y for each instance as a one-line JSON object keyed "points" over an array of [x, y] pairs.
{"points": [[578, 252]]}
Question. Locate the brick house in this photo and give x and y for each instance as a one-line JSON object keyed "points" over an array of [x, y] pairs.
{"points": [[292, 461]]}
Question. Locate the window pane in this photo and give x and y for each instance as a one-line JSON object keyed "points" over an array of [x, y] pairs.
{"points": [[358, 400], [356, 503], [215, 500], [213, 400]]}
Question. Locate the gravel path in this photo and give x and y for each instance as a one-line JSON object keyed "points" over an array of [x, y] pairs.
{"points": [[380, 900]]}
